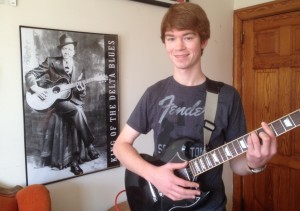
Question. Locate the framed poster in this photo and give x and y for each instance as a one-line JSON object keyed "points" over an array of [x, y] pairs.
{"points": [[70, 102], [163, 3]]}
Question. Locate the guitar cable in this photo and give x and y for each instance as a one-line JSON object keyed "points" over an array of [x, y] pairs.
{"points": [[116, 199]]}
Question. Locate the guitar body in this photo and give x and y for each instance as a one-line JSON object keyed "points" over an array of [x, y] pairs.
{"points": [[142, 195], [55, 92]]}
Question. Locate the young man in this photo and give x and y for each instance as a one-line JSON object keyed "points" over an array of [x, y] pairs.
{"points": [[174, 109]]}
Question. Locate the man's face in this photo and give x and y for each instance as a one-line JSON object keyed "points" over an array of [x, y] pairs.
{"points": [[184, 48], [68, 51]]}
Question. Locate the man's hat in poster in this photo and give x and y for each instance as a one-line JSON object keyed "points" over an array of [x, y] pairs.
{"points": [[65, 40]]}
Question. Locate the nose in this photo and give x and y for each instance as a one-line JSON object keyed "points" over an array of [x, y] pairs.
{"points": [[179, 44]]}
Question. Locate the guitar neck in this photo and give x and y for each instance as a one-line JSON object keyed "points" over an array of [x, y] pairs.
{"points": [[72, 85], [239, 146]]}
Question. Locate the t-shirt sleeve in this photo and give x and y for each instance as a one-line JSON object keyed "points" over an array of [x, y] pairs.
{"points": [[236, 122], [138, 119]]}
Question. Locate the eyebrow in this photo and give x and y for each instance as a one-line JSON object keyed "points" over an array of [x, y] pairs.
{"points": [[185, 34]]}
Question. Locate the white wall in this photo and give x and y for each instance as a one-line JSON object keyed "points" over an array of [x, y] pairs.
{"points": [[142, 61], [246, 3]]}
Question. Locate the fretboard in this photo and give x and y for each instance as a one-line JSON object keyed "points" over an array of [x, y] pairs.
{"points": [[99, 78], [72, 85], [239, 146]]}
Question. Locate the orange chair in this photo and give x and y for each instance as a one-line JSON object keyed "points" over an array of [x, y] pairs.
{"points": [[31, 198]]}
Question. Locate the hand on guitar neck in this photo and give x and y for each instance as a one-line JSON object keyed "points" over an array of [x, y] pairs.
{"points": [[80, 86]]}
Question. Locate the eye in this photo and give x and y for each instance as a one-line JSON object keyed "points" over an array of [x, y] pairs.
{"points": [[188, 38], [170, 39]]}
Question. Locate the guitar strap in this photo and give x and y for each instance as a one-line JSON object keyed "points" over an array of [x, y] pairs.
{"points": [[211, 103]]}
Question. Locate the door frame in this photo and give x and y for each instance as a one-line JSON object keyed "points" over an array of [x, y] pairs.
{"points": [[275, 7]]}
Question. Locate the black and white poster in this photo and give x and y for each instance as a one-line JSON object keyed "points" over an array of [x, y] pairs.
{"points": [[70, 102]]}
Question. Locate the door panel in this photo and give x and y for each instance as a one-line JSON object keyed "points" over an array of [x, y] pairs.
{"points": [[270, 88]]}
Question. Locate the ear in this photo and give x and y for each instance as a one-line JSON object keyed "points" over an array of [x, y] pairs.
{"points": [[204, 44]]}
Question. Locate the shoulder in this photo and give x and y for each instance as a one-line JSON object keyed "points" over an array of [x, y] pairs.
{"points": [[54, 59], [155, 91], [214, 86], [220, 87], [229, 90], [230, 99], [227, 93], [161, 84]]}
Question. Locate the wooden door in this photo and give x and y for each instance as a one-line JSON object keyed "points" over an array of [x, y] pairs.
{"points": [[268, 78]]}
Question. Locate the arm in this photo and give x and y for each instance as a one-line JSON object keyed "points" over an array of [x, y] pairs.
{"points": [[33, 76], [161, 177], [258, 154]]}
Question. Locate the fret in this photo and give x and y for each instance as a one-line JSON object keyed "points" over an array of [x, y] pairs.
{"points": [[272, 128], [192, 167], [237, 147], [287, 123], [232, 149], [218, 153], [222, 153], [227, 151], [208, 162], [199, 166], [296, 117], [215, 157], [196, 166], [199, 169], [278, 127], [243, 143], [259, 130], [210, 156], [202, 164]]}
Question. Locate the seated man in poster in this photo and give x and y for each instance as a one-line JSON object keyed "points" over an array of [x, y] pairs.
{"points": [[68, 134]]}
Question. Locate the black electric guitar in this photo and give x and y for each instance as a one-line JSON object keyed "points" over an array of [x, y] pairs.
{"points": [[142, 195], [59, 90]]}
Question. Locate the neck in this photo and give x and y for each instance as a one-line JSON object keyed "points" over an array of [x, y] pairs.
{"points": [[188, 78], [68, 59]]}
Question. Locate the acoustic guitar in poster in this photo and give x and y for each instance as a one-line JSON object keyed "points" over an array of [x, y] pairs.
{"points": [[56, 91]]}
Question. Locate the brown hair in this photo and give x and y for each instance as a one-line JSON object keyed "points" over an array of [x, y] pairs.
{"points": [[184, 16]]}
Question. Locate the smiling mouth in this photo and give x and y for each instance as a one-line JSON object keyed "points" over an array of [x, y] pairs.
{"points": [[181, 56]]}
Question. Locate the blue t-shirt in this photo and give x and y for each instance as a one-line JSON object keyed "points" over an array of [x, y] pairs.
{"points": [[174, 111]]}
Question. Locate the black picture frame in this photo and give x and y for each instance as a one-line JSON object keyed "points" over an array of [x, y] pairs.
{"points": [[163, 3], [49, 137]]}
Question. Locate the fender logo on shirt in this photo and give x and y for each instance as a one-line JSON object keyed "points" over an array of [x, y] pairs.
{"points": [[171, 108]]}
